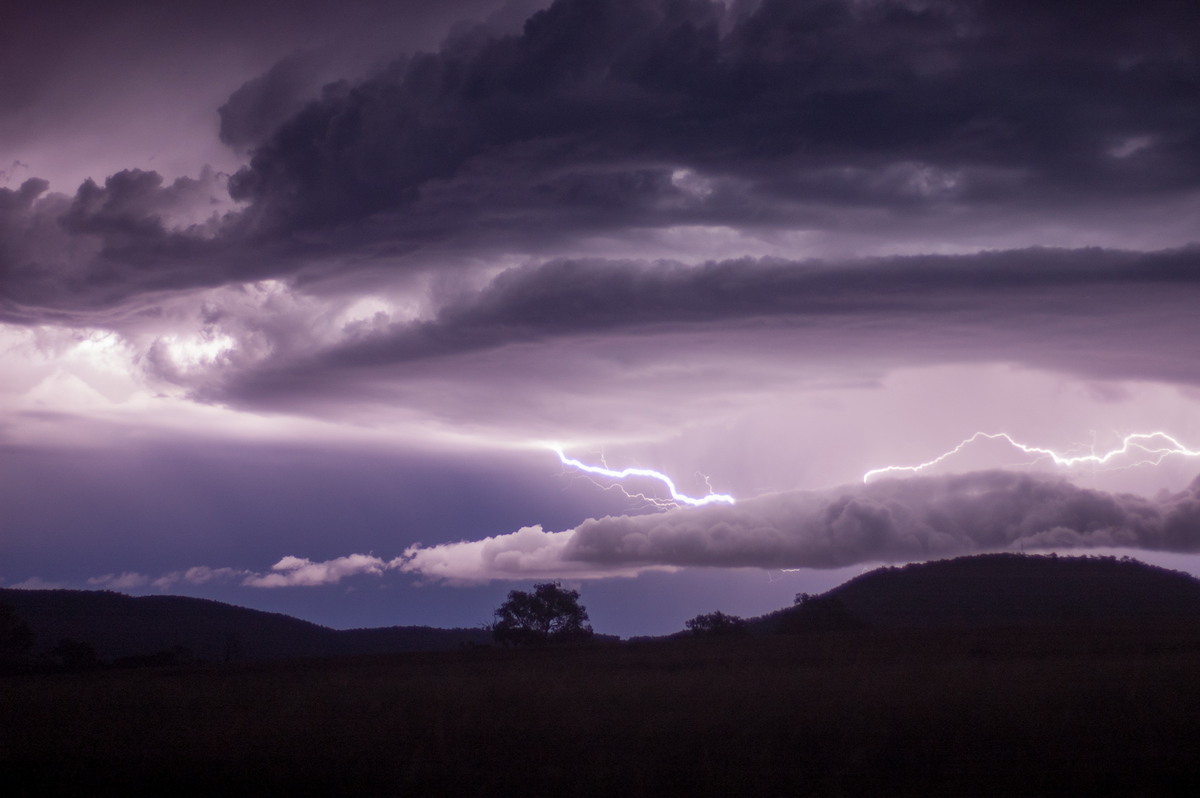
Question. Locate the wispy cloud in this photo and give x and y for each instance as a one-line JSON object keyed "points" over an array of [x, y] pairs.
{"points": [[300, 572], [37, 583], [289, 571], [125, 580]]}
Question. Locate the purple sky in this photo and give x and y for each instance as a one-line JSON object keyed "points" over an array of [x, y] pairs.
{"points": [[293, 305]]}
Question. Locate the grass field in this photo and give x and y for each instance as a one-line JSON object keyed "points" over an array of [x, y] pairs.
{"points": [[1017, 712]]}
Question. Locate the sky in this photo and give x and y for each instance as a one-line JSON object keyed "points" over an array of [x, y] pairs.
{"points": [[300, 303]]}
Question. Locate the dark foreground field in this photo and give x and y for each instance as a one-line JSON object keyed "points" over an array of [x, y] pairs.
{"points": [[836, 713]]}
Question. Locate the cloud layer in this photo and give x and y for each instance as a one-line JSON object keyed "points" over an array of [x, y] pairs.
{"points": [[290, 571], [398, 235], [1106, 314], [623, 116], [886, 521]]}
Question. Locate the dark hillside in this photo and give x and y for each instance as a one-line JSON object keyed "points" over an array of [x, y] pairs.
{"points": [[116, 625], [991, 590]]}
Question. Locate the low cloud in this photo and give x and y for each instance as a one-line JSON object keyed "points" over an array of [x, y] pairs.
{"points": [[198, 575], [37, 583], [529, 553], [126, 580], [885, 521], [289, 571], [888, 520], [1091, 312], [300, 572]]}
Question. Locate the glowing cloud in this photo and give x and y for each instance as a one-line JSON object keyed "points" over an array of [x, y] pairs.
{"points": [[1166, 445], [293, 571], [895, 520]]}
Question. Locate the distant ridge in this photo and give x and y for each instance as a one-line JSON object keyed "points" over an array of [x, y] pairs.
{"points": [[1005, 590], [117, 625]]}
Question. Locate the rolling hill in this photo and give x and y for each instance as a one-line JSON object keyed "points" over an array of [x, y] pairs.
{"points": [[978, 592], [993, 590], [117, 626]]}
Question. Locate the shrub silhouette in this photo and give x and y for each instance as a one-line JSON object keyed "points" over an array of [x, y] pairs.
{"points": [[819, 614], [714, 624], [548, 614], [16, 640]]}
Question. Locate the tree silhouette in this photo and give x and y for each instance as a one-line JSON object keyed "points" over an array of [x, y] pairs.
{"points": [[548, 614], [714, 624], [819, 614]]}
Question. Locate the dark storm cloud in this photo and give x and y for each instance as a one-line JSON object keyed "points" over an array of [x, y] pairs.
{"points": [[135, 232], [262, 104], [889, 520], [605, 116], [1108, 314], [885, 103], [132, 86]]}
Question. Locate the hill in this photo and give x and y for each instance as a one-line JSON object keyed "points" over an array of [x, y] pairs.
{"points": [[117, 626], [992, 675], [992, 590], [920, 712], [977, 592]]}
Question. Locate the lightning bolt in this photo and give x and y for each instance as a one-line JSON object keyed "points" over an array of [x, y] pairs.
{"points": [[1163, 446], [677, 498]]}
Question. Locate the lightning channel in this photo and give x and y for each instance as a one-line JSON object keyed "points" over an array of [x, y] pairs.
{"points": [[1155, 445], [677, 498]]}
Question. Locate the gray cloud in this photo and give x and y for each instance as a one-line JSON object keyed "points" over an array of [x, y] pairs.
{"points": [[135, 90], [253, 112], [889, 520], [884, 103], [1098, 313], [627, 116], [61, 254]]}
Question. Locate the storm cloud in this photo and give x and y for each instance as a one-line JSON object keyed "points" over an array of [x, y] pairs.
{"points": [[596, 104], [885, 521], [636, 115], [778, 242], [1096, 313]]}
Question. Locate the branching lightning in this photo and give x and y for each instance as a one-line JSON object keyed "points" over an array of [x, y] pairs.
{"points": [[1155, 445], [676, 499]]}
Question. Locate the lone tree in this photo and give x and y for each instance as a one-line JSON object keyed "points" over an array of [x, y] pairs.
{"points": [[548, 614]]}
